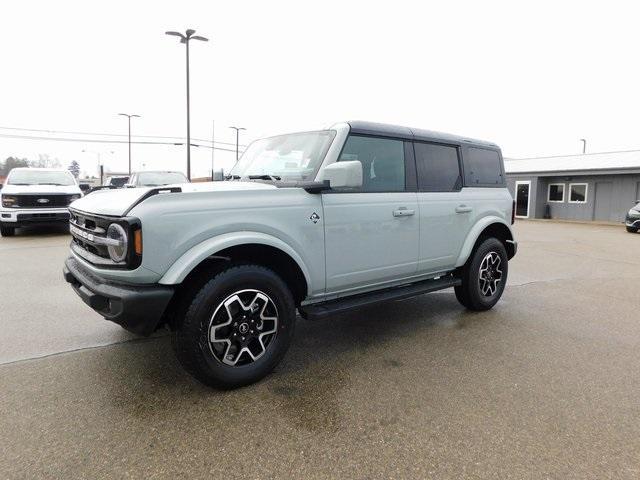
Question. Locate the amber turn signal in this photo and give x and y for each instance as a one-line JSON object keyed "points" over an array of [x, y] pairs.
{"points": [[137, 241]]}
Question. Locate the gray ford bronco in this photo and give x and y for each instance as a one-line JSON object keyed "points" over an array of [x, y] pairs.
{"points": [[316, 222]]}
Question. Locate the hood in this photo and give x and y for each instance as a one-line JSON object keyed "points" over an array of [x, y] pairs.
{"points": [[115, 203], [40, 189]]}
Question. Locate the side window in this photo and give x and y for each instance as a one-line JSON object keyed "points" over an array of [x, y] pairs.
{"points": [[482, 167], [382, 162], [438, 167]]}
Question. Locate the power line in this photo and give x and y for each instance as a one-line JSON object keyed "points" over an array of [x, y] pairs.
{"points": [[94, 140], [69, 132]]}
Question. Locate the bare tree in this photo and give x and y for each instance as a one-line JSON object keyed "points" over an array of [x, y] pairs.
{"points": [[45, 161]]}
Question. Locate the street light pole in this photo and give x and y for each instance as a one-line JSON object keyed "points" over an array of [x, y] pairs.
{"points": [[237, 129], [129, 119], [188, 35]]}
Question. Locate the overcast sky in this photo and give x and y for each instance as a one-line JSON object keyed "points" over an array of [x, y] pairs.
{"points": [[533, 76]]}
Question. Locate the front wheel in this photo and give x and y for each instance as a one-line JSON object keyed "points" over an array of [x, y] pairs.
{"points": [[238, 327], [632, 229], [484, 276]]}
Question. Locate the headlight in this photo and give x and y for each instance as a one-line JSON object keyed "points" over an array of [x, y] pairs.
{"points": [[9, 201], [73, 198], [118, 242], [634, 213]]}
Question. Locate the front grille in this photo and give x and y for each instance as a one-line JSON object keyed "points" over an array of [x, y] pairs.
{"points": [[42, 217], [42, 201], [89, 233], [84, 229]]}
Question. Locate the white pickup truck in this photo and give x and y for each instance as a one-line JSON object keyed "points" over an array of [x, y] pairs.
{"points": [[32, 196]]}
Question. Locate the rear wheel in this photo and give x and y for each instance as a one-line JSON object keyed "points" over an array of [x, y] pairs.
{"points": [[7, 231], [237, 328], [483, 276], [632, 230]]}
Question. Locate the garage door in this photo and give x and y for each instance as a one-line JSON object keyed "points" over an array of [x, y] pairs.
{"points": [[603, 209]]}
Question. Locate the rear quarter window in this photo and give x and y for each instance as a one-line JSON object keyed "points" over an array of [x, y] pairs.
{"points": [[482, 167]]}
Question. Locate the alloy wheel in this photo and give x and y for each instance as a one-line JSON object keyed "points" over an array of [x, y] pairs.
{"points": [[242, 327], [490, 274]]}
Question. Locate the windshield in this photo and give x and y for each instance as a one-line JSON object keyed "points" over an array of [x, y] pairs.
{"points": [[155, 179], [40, 177], [116, 181], [296, 156]]}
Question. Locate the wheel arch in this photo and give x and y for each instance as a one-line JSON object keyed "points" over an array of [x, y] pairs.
{"points": [[245, 247], [488, 227]]}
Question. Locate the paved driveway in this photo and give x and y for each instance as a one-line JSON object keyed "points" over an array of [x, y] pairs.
{"points": [[546, 385]]}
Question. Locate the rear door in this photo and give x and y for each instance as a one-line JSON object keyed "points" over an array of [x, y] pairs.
{"points": [[445, 216], [371, 234]]}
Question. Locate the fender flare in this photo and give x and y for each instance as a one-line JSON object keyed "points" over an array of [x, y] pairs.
{"points": [[196, 254], [475, 233]]}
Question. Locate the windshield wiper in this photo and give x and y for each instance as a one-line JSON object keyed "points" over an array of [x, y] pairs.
{"points": [[265, 177], [232, 177], [20, 183], [55, 184]]}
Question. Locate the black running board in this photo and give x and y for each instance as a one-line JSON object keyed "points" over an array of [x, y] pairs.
{"points": [[319, 311]]}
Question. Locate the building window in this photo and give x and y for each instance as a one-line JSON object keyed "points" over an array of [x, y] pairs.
{"points": [[577, 193], [555, 193]]}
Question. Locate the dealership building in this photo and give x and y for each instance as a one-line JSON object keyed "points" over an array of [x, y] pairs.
{"points": [[591, 186]]}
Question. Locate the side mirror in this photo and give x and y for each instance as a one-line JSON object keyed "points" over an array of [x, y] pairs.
{"points": [[343, 174]]}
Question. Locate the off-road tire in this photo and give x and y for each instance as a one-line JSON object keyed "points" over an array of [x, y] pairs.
{"points": [[191, 335], [632, 229], [7, 231], [469, 293]]}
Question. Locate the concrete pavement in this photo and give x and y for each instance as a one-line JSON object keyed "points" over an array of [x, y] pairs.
{"points": [[546, 385]]}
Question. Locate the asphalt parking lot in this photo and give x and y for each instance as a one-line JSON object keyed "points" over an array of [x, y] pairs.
{"points": [[546, 385]]}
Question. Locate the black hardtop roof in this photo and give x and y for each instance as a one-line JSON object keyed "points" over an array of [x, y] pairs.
{"points": [[387, 130]]}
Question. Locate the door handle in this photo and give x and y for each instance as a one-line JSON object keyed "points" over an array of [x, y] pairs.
{"points": [[403, 212], [463, 209]]}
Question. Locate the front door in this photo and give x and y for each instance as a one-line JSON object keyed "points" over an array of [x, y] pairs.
{"points": [[522, 199], [372, 234]]}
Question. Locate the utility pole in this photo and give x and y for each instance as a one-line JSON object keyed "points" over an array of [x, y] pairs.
{"points": [[188, 35], [237, 129], [213, 147], [129, 118], [584, 145]]}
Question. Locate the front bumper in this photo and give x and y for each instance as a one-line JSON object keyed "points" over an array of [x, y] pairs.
{"points": [[633, 222], [135, 308], [21, 217]]}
